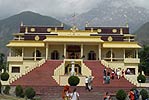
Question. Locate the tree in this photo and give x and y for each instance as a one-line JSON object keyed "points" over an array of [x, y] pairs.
{"points": [[144, 59], [2, 61], [121, 95], [3, 66]]}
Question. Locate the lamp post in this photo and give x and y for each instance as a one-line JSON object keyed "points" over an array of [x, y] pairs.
{"points": [[72, 68]]}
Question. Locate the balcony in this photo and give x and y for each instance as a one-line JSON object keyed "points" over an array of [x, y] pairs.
{"points": [[131, 60], [17, 58]]}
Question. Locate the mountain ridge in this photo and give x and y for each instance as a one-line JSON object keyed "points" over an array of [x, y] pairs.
{"points": [[112, 14], [11, 25]]}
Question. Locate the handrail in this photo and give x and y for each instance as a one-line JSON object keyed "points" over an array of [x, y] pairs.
{"points": [[29, 69]]}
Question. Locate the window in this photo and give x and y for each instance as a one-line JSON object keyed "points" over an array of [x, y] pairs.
{"points": [[15, 70]]}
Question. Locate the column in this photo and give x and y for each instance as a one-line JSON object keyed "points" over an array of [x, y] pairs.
{"points": [[99, 50], [23, 52], [35, 55], [47, 51], [124, 53], [65, 51], [111, 55], [10, 52], [81, 50], [136, 53]]}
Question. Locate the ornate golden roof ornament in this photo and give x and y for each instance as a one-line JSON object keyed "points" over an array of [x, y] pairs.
{"points": [[110, 38], [127, 24], [121, 30], [37, 38], [48, 29], [21, 23], [114, 30], [32, 29], [62, 25], [87, 24], [26, 30], [99, 30]]}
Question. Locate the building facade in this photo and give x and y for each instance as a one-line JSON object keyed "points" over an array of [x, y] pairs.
{"points": [[115, 47]]}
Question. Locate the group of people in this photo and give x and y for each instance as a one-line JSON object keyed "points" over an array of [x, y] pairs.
{"points": [[88, 83], [68, 95], [114, 73], [133, 94], [106, 76]]}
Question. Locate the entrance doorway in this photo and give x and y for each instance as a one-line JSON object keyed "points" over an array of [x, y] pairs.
{"points": [[73, 51]]}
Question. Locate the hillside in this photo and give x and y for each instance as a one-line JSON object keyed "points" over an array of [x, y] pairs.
{"points": [[142, 34], [112, 13], [11, 25]]}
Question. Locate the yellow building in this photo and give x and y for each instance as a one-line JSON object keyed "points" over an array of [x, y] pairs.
{"points": [[115, 47]]}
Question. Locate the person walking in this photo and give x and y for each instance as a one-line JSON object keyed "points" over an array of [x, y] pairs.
{"points": [[86, 83], [74, 95], [66, 93], [90, 79], [107, 96], [104, 75], [131, 95]]}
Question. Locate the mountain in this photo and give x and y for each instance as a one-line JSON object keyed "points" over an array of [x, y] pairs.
{"points": [[142, 34], [11, 25], [112, 13]]}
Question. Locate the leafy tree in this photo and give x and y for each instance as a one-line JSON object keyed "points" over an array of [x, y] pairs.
{"points": [[144, 94], [2, 61], [2, 66], [73, 80], [121, 95], [144, 59], [30, 93], [19, 91]]}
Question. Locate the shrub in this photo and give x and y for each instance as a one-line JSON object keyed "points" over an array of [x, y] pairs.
{"points": [[144, 94], [121, 94], [141, 78], [7, 88], [30, 93], [73, 80], [19, 91], [4, 76]]}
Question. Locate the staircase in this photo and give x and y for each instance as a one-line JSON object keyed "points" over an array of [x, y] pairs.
{"points": [[40, 76], [97, 71], [47, 88]]}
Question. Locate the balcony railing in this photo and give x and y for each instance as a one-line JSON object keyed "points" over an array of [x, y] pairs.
{"points": [[18, 58], [131, 60]]}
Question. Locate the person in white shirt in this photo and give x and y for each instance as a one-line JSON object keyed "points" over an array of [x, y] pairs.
{"points": [[74, 95], [86, 83]]}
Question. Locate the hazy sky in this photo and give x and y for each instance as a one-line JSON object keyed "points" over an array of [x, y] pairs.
{"points": [[53, 7]]}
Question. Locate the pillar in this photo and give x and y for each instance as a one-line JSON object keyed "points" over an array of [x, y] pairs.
{"points": [[22, 52], [10, 52], [35, 55], [99, 51], [64, 50], [137, 53], [46, 51], [81, 50], [111, 55], [124, 53]]}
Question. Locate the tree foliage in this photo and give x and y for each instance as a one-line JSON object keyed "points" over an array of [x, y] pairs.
{"points": [[144, 59], [30, 93], [73, 80], [121, 94]]}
